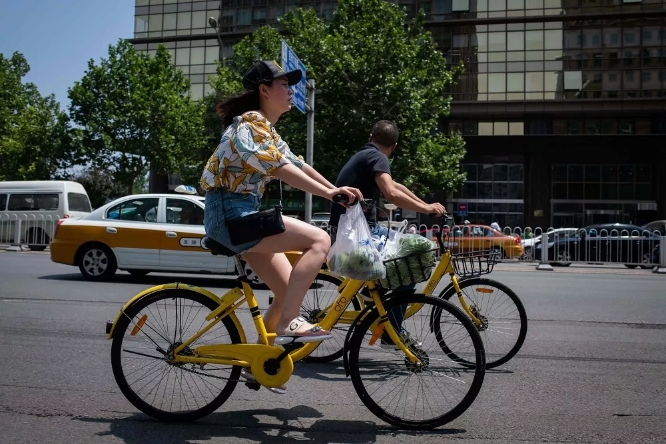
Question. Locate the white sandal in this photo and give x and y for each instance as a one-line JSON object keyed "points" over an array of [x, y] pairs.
{"points": [[296, 333]]}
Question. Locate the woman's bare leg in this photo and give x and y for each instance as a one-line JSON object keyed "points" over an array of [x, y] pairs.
{"points": [[274, 269], [298, 236]]}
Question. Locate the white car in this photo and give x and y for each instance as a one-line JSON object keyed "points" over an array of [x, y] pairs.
{"points": [[528, 244]]}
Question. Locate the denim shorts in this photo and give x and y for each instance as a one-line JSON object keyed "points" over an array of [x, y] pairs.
{"points": [[222, 205]]}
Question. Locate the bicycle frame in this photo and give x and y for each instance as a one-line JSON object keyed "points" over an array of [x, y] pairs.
{"points": [[245, 354]]}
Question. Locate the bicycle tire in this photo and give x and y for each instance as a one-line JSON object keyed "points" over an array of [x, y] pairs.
{"points": [[494, 357], [467, 333], [331, 349], [120, 375]]}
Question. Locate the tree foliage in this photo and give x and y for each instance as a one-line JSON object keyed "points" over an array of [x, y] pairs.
{"points": [[369, 64], [135, 112], [35, 141], [100, 186]]}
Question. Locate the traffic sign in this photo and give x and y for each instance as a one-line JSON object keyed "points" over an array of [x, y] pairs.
{"points": [[291, 62], [462, 209]]}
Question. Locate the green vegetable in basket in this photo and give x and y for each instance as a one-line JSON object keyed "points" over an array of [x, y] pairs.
{"points": [[410, 266], [360, 264]]}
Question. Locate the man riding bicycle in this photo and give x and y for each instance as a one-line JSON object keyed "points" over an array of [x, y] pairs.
{"points": [[369, 171]]}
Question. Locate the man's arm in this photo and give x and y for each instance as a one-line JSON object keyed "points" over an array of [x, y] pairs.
{"points": [[403, 200], [405, 190]]}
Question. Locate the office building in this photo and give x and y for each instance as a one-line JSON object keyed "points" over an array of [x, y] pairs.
{"points": [[562, 102]]}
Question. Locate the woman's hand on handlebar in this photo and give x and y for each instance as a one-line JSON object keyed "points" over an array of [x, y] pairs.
{"points": [[348, 194], [435, 209]]}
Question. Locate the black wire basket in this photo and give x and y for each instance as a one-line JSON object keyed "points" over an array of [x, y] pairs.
{"points": [[474, 263], [410, 269]]}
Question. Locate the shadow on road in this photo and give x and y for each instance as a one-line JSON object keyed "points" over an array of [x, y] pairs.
{"points": [[246, 424], [200, 281]]}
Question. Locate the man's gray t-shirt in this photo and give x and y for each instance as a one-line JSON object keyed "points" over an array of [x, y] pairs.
{"points": [[359, 172]]}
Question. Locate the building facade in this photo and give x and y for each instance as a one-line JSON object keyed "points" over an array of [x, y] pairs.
{"points": [[562, 102]]}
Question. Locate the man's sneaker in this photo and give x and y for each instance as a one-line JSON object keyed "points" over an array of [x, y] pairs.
{"points": [[407, 339]]}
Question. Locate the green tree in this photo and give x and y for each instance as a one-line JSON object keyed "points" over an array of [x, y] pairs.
{"points": [[35, 142], [100, 185], [369, 64], [135, 112]]}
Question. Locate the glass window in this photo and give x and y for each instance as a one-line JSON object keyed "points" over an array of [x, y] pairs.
{"points": [[486, 170], [485, 129], [573, 80], [516, 171], [609, 173], [469, 190], [3, 202], [169, 21], [515, 82], [485, 190], [516, 129], [184, 20], [155, 22], [559, 191], [182, 56], [460, 5], [77, 202], [197, 56], [497, 83], [576, 173], [141, 23], [199, 20], [500, 190], [183, 212], [212, 53], [626, 173], [500, 171], [139, 210], [609, 191], [515, 41], [533, 40], [592, 173], [33, 202], [197, 91], [515, 4], [501, 129], [553, 39], [497, 41]]}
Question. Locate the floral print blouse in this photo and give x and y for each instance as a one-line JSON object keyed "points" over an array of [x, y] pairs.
{"points": [[249, 151]]}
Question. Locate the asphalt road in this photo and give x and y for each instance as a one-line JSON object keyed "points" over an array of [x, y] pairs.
{"points": [[592, 370]]}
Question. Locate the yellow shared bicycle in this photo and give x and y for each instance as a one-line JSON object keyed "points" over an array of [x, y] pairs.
{"points": [[496, 311], [177, 352]]}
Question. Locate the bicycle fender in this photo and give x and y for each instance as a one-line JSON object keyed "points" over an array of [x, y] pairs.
{"points": [[179, 287], [350, 332]]}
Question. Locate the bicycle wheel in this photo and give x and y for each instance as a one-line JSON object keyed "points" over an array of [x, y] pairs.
{"points": [[503, 317], [144, 336], [412, 397], [320, 296]]}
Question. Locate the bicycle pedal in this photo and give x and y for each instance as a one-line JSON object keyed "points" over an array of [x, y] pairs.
{"points": [[253, 385]]}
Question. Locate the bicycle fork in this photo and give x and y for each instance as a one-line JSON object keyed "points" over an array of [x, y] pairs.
{"points": [[470, 312]]}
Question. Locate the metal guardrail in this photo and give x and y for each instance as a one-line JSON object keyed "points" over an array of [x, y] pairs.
{"points": [[633, 249], [33, 230]]}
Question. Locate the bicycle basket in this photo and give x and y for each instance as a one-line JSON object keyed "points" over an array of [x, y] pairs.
{"points": [[410, 269], [474, 263]]}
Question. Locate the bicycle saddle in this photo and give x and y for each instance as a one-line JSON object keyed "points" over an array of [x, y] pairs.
{"points": [[215, 247]]}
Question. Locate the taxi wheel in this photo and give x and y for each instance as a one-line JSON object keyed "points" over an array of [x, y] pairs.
{"points": [[97, 262]]}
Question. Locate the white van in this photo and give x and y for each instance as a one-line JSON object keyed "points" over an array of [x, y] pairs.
{"points": [[38, 205]]}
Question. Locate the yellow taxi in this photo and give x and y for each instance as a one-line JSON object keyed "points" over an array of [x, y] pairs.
{"points": [[472, 238], [139, 233]]}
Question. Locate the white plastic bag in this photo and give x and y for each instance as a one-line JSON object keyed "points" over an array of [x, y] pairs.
{"points": [[354, 254]]}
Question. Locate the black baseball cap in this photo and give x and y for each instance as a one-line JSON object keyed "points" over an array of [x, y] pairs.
{"points": [[265, 71]]}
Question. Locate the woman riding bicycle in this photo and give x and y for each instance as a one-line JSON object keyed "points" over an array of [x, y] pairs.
{"points": [[251, 154]]}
